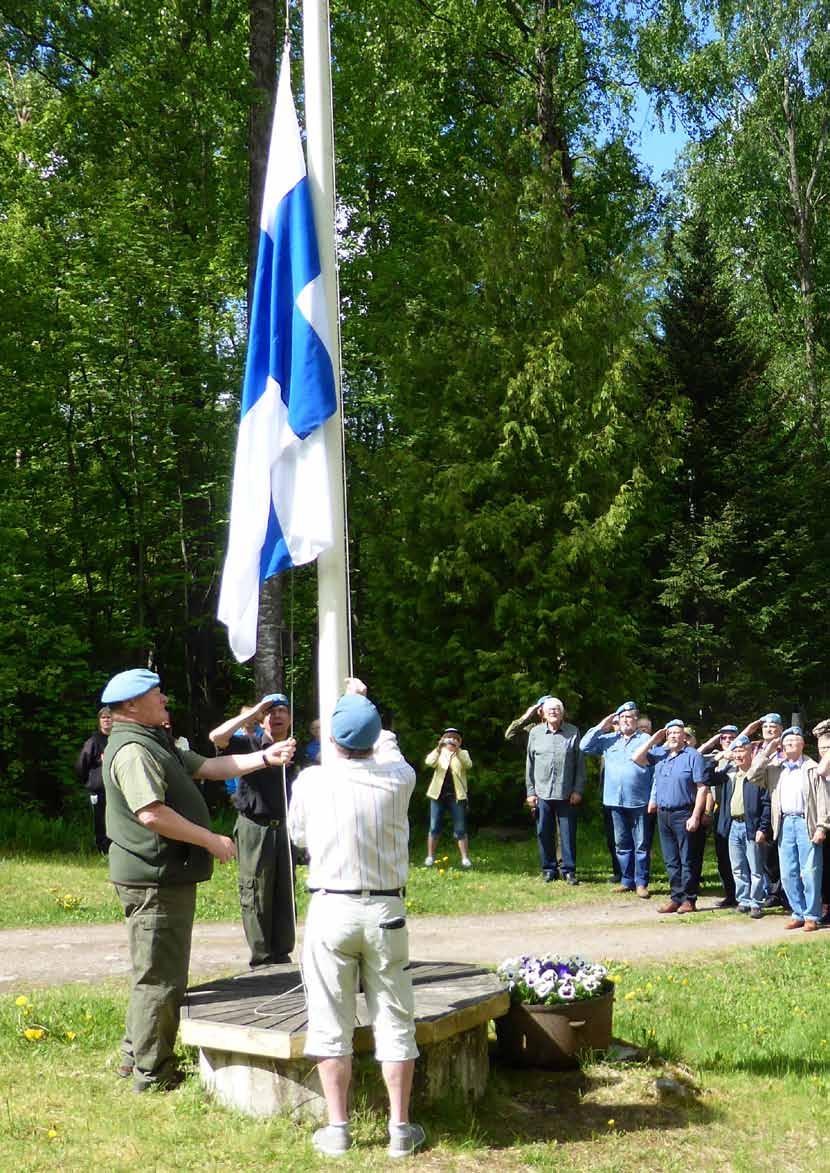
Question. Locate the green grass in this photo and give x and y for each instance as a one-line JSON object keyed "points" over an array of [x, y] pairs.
{"points": [[69, 887], [749, 1032]]}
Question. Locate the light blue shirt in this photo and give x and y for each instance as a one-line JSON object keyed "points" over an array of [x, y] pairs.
{"points": [[626, 784]]}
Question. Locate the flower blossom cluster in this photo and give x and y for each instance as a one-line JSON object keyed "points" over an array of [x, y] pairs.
{"points": [[552, 979]]}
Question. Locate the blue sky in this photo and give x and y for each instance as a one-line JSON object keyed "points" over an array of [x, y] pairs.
{"points": [[658, 149]]}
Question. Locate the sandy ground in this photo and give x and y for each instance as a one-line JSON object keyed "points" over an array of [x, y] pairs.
{"points": [[626, 929]]}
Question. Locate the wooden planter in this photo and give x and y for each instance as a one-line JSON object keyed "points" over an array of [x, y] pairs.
{"points": [[555, 1036]]}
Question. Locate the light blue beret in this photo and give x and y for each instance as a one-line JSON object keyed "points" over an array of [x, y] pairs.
{"points": [[739, 741], [355, 722], [728, 729], [793, 731], [126, 686], [626, 707], [277, 698], [773, 719], [675, 721], [542, 700]]}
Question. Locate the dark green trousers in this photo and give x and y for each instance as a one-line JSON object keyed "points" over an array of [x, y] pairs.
{"points": [[266, 889], [159, 931]]}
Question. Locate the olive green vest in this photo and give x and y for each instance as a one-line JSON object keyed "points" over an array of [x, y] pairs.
{"points": [[137, 855]]}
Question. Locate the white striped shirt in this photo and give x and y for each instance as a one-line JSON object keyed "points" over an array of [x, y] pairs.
{"points": [[351, 816]]}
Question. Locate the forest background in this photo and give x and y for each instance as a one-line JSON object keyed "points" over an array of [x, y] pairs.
{"points": [[586, 414]]}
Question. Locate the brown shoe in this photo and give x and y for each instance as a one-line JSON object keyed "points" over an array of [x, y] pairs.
{"points": [[621, 888], [686, 906], [792, 923], [643, 893], [811, 926], [670, 907]]}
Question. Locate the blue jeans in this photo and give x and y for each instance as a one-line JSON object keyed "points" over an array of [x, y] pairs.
{"points": [[458, 810], [631, 844], [681, 854], [747, 859], [801, 865], [556, 816]]}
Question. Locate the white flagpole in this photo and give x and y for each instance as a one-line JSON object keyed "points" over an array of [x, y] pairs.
{"points": [[334, 652]]}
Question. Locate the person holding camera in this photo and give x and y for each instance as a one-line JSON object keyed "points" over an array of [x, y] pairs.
{"points": [[448, 792]]}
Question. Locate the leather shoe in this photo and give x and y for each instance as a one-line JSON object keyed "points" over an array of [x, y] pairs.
{"points": [[794, 924], [686, 906], [549, 877], [670, 907], [622, 888], [643, 892], [725, 903], [756, 913], [571, 879], [811, 926]]}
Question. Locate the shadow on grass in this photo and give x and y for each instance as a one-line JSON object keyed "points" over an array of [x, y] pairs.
{"points": [[526, 1107], [771, 1063]]}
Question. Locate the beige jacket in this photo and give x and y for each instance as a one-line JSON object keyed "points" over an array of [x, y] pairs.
{"points": [[814, 790], [460, 764]]}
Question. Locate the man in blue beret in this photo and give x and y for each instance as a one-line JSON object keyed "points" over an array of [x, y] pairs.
{"points": [[744, 821], [716, 753], [625, 792], [678, 795], [800, 821], [771, 726], [266, 866], [161, 848], [351, 816]]}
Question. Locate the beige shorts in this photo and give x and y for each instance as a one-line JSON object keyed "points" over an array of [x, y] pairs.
{"points": [[343, 942]]}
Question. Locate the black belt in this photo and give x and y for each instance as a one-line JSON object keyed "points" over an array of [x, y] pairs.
{"points": [[361, 891], [262, 820], [686, 807]]}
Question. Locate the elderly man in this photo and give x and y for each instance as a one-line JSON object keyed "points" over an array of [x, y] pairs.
{"points": [[555, 782], [800, 821], [625, 793], [771, 726], [744, 822], [717, 756], [266, 868], [161, 848], [351, 816], [678, 795], [822, 735]]}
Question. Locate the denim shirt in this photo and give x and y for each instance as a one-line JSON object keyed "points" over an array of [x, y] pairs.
{"points": [[555, 765], [626, 784]]}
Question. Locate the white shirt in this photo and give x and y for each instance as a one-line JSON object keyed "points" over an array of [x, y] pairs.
{"points": [[351, 816], [790, 782]]}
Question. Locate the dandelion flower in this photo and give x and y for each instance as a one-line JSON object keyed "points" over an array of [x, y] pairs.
{"points": [[70, 1034], [33, 1033], [21, 1000], [52, 1133], [611, 1122]]}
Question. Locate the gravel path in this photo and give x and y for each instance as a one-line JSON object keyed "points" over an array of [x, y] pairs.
{"points": [[624, 929]]}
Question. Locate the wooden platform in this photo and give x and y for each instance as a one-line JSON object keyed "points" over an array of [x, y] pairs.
{"points": [[250, 1031]]}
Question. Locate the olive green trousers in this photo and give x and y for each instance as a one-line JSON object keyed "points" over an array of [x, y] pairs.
{"points": [[159, 931], [266, 889]]}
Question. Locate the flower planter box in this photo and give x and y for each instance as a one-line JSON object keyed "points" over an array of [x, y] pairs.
{"points": [[555, 1036]]}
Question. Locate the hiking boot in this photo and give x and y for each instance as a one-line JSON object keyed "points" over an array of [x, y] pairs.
{"points": [[643, 892], [404, 1139]]}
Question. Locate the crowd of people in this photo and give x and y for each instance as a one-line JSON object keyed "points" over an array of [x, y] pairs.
{"points": [[767, 802]]}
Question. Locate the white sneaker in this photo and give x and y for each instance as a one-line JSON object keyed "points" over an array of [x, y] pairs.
{"points": [[404, 1139], [466, 863], [429, 861]]}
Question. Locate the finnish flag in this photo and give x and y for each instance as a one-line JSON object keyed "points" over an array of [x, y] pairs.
{"points": [[281, 502]]}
